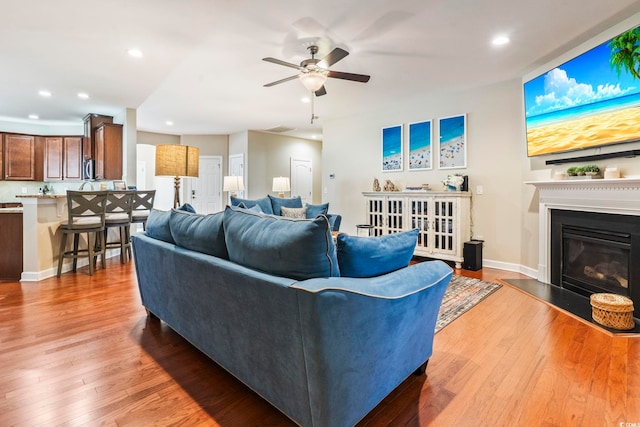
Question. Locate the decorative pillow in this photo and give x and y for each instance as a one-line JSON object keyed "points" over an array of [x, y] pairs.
{"points": [[278, 202], [299, 213], [201, 233], [187, 208], [264, 203], [299, 249], [254, 208], [158, 226], [315, 210], [374, 256]]}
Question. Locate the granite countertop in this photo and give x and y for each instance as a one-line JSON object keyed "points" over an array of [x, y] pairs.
{"points": [[41, 196], [10, 210]]}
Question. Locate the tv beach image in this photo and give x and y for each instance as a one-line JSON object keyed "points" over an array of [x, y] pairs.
{"points": [[589, 101], [452, 143], [392, 149], [420, 145]]}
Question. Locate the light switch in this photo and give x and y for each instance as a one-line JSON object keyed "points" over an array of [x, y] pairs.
{"points": [[479, 189]]}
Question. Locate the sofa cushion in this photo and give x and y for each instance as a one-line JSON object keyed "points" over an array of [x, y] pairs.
{"points": [[315, 210], [264, 203], [278, 202], [374, 256], [201, 233], [187, 208], [300, 213], [299, 249], [254, 208], [158, 226]]}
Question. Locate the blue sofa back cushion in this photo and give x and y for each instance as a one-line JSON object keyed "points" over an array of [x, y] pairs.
{"points": [[201, 233], [158, 226], [374, 256], [315, 210], [298, 249], [264, 203], [278, 202], [187, 208]]}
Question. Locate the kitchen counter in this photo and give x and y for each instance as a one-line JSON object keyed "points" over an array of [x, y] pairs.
{"points": [[10, 210], [41, 196]]}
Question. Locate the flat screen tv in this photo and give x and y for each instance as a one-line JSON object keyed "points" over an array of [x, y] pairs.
{"points": [[590, 101]]}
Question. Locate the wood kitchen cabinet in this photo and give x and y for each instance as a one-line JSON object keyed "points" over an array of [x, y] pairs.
{"points": [[62, 158], [19, 157], [91, 123], [11, 248], [107, 141]]}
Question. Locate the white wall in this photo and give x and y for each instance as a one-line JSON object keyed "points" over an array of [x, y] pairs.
{"points": [[351, 151]]}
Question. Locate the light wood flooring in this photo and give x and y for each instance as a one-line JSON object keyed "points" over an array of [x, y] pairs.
{"points": [[80, 350]]}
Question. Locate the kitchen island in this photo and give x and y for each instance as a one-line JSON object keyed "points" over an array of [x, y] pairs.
{"points": [[11, 237]]}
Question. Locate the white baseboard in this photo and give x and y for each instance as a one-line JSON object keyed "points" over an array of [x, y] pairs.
{"points": [[507, 266], [36, 276]]}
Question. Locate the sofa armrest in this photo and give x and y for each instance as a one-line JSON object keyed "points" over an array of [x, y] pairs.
{"points": [[363, 337]]}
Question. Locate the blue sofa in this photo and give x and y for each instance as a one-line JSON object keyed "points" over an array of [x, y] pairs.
{"points": [[273, 205], [263, 297]]}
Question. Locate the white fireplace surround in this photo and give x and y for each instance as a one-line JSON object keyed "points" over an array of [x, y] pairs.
{"points": [[614, 196]]}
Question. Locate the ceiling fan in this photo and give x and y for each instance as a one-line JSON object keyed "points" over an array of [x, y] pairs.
{"points": [[314, 72]]}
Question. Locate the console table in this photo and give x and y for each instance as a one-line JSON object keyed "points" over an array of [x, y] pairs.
{"points": [[443, 219]]}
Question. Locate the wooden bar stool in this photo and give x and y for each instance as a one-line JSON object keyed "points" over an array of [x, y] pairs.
{"points": [[85, 214], [142, 205], [118, 215]]}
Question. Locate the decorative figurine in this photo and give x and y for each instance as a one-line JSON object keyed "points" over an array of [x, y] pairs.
{"points": [[376, 184]]}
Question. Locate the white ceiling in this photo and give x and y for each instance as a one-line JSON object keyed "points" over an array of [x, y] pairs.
{"points": [[202, 66]]}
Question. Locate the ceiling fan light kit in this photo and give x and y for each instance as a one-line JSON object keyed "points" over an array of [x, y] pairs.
{"points": [[313, 80]]}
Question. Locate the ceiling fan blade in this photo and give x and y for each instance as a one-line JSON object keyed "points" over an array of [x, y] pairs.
{"points": [[321, 91], [280, 62], [334, 56], [277, 82], [349, 76]]}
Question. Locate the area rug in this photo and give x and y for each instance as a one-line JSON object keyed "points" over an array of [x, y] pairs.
{"points": [[461, 295]]}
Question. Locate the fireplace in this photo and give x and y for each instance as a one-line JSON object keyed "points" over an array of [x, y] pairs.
{"points": [[589, 235], [593, 252]]}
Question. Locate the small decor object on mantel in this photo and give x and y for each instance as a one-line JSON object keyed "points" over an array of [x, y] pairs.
{"points": [[390, 186], [376, 184], [453, 182]]}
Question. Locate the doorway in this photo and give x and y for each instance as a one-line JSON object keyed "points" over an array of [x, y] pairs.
{"points": [[236, 168], [204, 193], [302, 180]]}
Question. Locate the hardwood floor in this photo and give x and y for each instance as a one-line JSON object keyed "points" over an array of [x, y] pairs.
{"points": [[80, 350]]}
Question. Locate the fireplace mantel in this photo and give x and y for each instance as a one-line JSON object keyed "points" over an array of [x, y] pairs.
{"points": [[615, 196]]}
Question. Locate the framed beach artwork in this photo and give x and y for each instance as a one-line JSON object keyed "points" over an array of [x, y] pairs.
{"points": [[392, 149], [420, 146], [452, 142]]}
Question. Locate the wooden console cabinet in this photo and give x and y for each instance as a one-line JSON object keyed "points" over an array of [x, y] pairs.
{"points": [[443, 220]]}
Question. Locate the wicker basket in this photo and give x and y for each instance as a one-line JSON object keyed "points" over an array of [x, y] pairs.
{"points": [[613, 311]]}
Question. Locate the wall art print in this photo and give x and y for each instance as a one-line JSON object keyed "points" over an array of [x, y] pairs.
{"points": [[452, 142], [392, 149], [420, 146]]}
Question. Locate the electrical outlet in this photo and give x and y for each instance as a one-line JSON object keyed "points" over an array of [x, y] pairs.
{"points": [[479, 189], [24, 190]]}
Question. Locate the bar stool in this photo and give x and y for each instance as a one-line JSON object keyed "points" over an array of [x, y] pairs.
{"points": [[118, 215], [142, 205], [85, 214]]}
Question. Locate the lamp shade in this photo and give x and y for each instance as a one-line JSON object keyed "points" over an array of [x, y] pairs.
{"points": [[177, 160], [233, 183], [281, 184]]}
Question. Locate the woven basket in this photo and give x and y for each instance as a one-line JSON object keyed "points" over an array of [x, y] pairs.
{"points": [[613, 311]]}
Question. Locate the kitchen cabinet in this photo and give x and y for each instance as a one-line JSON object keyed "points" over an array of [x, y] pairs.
{"points": [[107, 141], [11, 248], [62, 158], [91, 123], [19, 157], [443, 220]]}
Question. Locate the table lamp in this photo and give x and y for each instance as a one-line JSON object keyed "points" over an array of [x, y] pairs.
{"points": [[280, 185], [233, 184], [177, 161]]}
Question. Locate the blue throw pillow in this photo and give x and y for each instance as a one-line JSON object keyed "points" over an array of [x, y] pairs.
{"points": [[264, 203], [299, 249], [158, 226], [278, 202], [374, 256], [315, 210], [201, 233], [187, 208], [254, 208]]}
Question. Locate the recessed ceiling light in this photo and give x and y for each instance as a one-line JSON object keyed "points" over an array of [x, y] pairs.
{"points": [[34, 116], [136, 53], [168, 123], [83, 95], [44, 93], [500, 40], [306, 100]]}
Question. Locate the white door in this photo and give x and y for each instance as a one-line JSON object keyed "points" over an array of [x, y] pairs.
{"points": [[236, 168], [302, 180], [205, 192]]}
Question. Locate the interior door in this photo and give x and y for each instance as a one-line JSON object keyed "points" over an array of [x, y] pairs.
{"points": [[204, 193], [236, 168], [302, 180]]}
